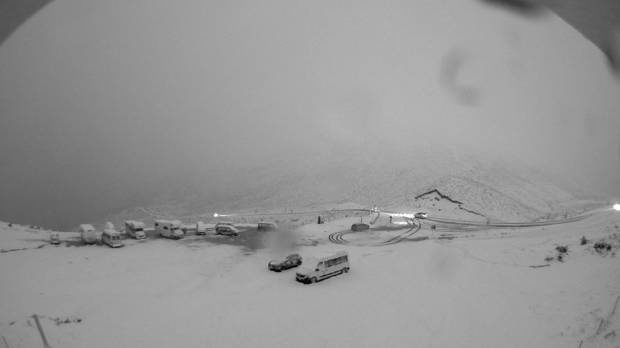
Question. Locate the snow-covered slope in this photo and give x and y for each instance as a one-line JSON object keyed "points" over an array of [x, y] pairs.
{"points": [[490, 288], [485, 189]]}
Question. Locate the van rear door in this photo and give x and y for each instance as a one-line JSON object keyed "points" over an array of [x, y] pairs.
{"points": [[322, 270]]}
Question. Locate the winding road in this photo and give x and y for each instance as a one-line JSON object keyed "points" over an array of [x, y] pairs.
{"points": [[455, 225], [338, 237]]}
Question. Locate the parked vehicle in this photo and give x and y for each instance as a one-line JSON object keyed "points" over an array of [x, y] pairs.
{"points": [[420, 215], [360, 227], [135, 229], [169, 229], [323, 268], [226, 230], [292, 260], [112, 238], [54, 238], [88, 234], [201, 228], [188, 228], [267, 226]]}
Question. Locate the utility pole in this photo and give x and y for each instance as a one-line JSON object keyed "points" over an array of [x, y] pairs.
{"points": [[43, 338]]}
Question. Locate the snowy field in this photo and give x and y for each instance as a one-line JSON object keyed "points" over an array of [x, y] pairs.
{"points": [[493, 288]]}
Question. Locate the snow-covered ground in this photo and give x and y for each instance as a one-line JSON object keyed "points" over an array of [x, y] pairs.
{"points": [[481, 289]]}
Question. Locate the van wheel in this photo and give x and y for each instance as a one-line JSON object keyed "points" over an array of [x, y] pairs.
{"points": [[346, 270], [313, 280]]}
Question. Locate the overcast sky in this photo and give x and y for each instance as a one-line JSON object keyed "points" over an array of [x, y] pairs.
{"points": [[103, 104]]}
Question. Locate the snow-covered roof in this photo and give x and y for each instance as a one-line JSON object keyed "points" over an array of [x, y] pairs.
{"points": [[135, 224], [169, 222], [110, 232], [86, 227]]}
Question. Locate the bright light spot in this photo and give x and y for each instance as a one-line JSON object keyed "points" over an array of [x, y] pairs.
{"points": [[215, 215], [617, 207], [403, 215]]}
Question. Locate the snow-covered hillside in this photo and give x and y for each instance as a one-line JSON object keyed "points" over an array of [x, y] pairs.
{"points": [[485, 189]]}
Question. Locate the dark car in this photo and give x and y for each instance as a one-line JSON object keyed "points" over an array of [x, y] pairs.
{"points": [[421, 215], [290, 261], [267, 226], [226, 230], [360, 227]]}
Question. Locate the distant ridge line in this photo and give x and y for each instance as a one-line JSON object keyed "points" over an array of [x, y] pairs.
{"points": [[439, 194]]}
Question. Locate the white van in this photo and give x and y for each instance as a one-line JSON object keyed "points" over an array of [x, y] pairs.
{"points": [[112, 238], [135, 229], [88, 234], [323, 268], [169, 229]]}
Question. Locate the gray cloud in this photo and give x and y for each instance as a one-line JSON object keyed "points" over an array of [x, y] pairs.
{"points": [[106, 105]]}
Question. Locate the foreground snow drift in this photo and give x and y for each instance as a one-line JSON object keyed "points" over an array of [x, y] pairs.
{"points": [[484, 289]]}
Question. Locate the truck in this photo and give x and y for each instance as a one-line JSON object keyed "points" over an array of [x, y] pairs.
{"points": [[135, 229], [88, 234], [169, 229]]}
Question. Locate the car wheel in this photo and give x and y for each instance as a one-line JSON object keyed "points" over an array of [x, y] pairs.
{"points": [[313, 280]]}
